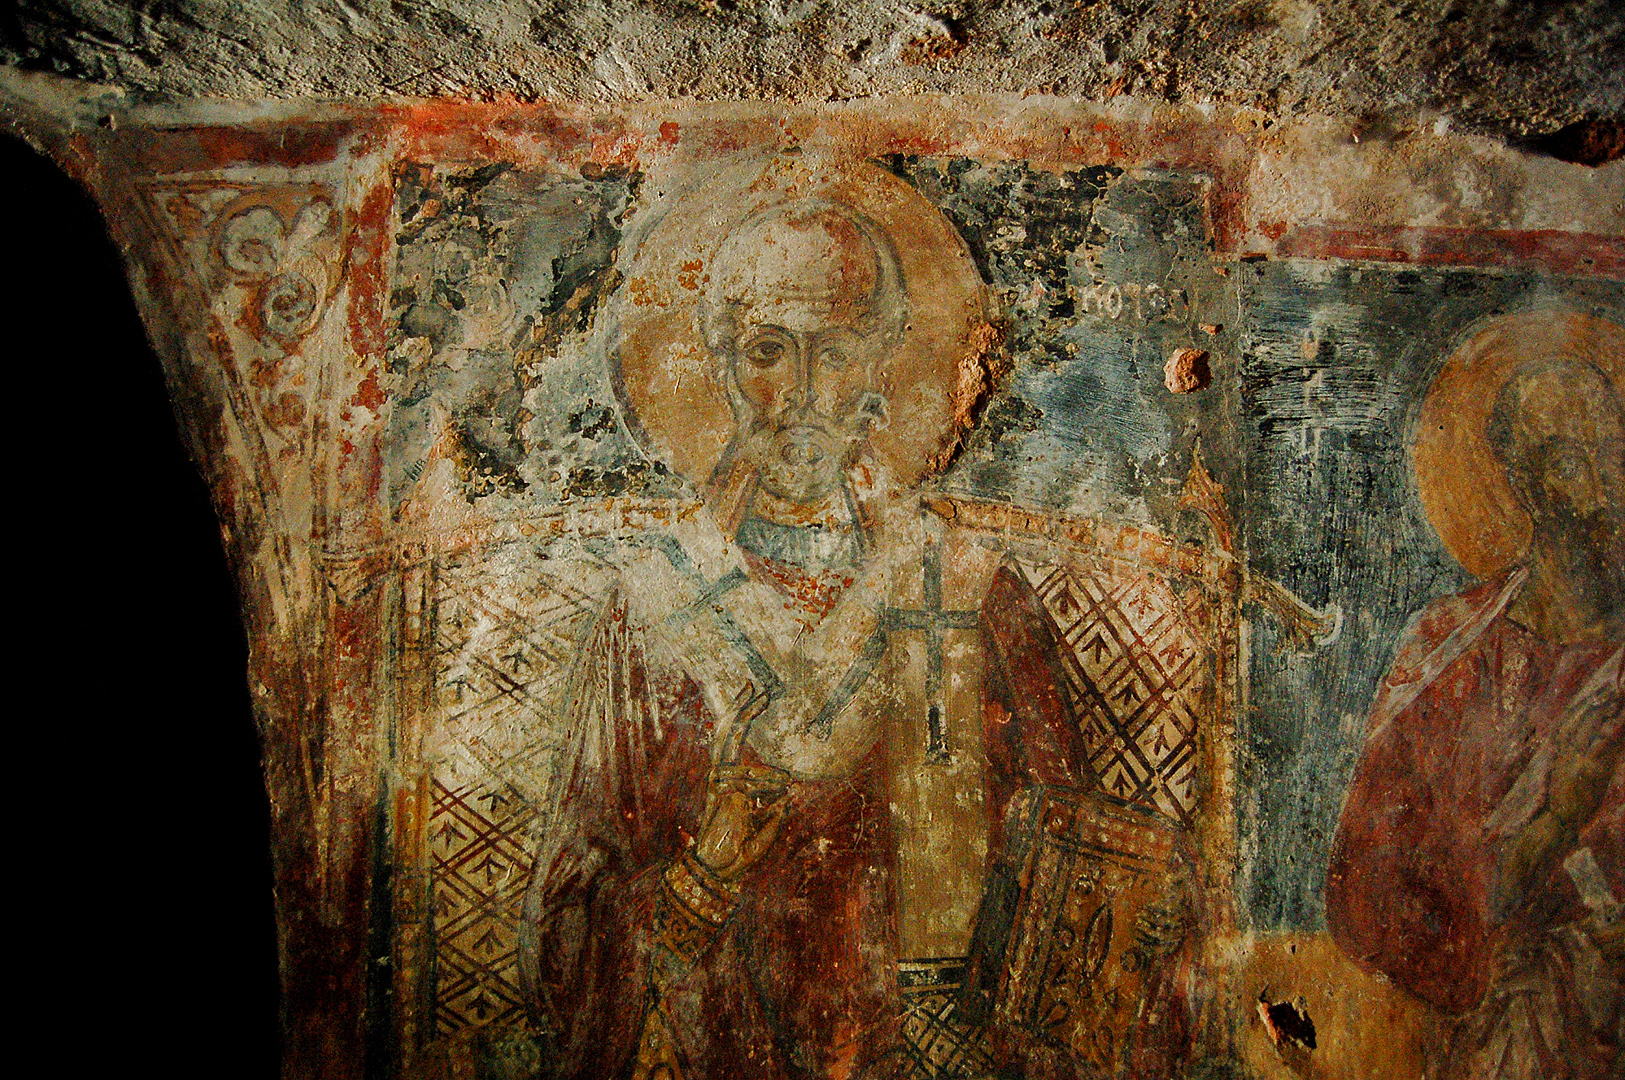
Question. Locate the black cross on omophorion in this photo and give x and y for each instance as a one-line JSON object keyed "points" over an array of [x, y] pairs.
{"points": [[934, 621]]}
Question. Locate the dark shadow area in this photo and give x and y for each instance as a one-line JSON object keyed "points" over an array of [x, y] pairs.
{"points": [[1593, 142], [147, 813]]}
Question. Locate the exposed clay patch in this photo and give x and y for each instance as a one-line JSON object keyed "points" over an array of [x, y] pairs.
{"points": [[1187, 371], [1590, 142], [983, 367], [1290, 1028]]}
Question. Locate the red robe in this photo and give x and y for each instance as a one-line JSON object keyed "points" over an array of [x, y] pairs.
{"points": [[795, 982], [1456, 762], [801, 980]]}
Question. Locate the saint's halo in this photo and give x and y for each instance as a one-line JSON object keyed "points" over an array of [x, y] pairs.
{"points": [[1463, 487], [672, 388]]}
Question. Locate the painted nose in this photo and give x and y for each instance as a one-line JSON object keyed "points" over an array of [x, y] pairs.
{"points": [[809, 378]]}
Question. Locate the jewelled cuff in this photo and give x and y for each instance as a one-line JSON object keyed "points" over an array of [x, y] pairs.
{"points": [[702, 892], [692, 906]]}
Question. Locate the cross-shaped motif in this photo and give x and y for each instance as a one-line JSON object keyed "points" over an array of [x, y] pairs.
{"points": [[934, 620]]}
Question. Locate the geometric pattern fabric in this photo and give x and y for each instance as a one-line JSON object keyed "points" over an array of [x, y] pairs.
{"points": [[479, 845], [502, 646], [502, 642], [503, 639], [1134, 676], [936, 1044]]}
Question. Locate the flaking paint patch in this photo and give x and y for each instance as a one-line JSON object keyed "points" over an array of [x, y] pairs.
{"points": [[499, 591], [981, 370]]}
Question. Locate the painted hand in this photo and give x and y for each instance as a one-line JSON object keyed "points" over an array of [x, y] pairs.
{"points": [[1591, 744], [1589, 747], [744, 807]]}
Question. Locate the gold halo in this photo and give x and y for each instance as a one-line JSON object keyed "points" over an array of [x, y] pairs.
{"points": [[672, 390], [1463, 487]]}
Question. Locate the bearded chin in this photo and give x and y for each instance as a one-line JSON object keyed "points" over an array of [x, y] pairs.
{"points": [[796, 471], [1593, 546], [800, 464]]}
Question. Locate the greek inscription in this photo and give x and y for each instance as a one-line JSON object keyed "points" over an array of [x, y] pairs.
{"points": [[1142, 302]]}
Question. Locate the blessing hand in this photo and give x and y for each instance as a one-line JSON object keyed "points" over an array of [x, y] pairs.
{"points": [[744, 807], [1588, 748]]}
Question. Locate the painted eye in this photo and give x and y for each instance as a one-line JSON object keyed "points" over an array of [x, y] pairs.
{"points": [[1567, 466], [833, 357], [764, 354]]}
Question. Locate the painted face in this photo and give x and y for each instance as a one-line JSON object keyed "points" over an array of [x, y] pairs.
{"points": [[806, 353], [812, 400], [1571, 433]]}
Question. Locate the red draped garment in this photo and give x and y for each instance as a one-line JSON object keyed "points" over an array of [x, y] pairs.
{"points": [[1456, 761], [801, 979]]}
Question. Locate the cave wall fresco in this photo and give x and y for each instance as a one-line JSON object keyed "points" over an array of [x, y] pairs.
{"points": [[399, 339]]}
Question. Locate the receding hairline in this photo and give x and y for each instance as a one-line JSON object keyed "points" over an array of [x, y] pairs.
{"points": [[1509, 404], [887, 300], [806, 209]]}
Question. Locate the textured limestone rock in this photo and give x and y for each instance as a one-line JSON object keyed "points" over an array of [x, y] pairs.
{"points": [[1506, 68]]}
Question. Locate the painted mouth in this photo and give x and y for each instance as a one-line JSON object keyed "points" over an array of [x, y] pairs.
{"points": [[802, 446]]}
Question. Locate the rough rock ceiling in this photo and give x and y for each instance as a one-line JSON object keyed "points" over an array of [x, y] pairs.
{"points": [[1513, 69]]}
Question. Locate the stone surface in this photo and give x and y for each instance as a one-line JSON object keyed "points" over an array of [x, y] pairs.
{"points": [[480, 391], [1505, 68]]}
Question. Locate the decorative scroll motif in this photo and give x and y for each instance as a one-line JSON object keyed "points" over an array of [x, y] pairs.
{"points": [[479, 843], [1133, 672], [279, 246], [269, 257]]}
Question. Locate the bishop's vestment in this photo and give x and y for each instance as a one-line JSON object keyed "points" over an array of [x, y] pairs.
{"points": [[638, 961]]}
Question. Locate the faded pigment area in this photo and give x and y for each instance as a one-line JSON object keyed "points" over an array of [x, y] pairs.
{"points": [[951, 585]]}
